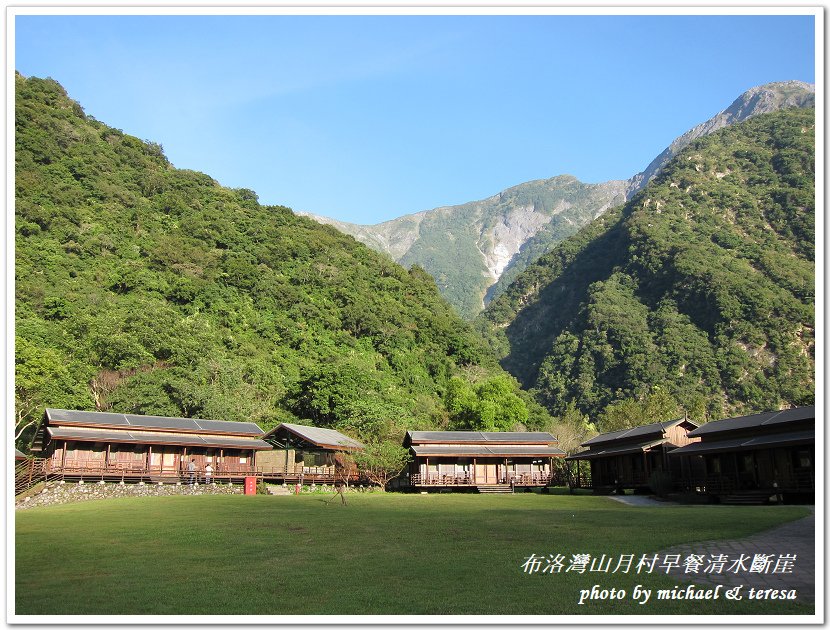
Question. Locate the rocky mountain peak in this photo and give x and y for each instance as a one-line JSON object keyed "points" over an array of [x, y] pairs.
{"points": [[762, 99]]}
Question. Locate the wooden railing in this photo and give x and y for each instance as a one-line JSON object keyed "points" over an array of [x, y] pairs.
{"points": [[798, 481], [97, 469], [464, 479], [434, 479], [138, 470], [27, 473], [528, 479]]}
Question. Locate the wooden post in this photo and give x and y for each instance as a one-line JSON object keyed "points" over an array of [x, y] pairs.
{"points": [[149, 458], [474, 470], [107, 457]]}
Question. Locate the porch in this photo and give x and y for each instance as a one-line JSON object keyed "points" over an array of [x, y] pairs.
{"points": [[135, 471], [465, 479]]}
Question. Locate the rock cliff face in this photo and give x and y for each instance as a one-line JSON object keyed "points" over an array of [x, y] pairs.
{"points": [[475, 250]]}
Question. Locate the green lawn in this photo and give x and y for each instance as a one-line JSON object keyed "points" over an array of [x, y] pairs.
{"points": [[381, 554]]}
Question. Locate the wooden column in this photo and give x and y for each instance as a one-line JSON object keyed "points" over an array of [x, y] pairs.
{"points": [[149, 457], [107, 457]]}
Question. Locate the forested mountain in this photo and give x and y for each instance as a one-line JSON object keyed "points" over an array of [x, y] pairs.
{"points": [[467, 248], [475, 250], [698, 293], [149, 289]]}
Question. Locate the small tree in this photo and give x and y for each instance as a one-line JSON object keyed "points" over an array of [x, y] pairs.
{"points": [[345, 467], [382, 461]]}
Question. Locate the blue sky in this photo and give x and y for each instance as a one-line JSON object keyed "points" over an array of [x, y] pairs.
{"points": [[366, 118]]}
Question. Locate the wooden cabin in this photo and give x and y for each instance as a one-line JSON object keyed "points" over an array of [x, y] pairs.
{"points": [[627, 459], [483, 460], [307, 454], [115, 445], [753, 458]]}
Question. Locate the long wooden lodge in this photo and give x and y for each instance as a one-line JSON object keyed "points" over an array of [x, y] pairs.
{"points": [[753, 458], [626, 459], [485, 461], [128, 446], [99, 445]]}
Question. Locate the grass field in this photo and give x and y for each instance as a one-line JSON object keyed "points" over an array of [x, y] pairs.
{"points": [[380, 554]]}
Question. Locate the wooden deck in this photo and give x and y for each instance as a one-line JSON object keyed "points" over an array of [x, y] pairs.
{"points": [[138, 471], [465, 480]]}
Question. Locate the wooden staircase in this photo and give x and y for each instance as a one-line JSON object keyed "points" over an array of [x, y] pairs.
{"points": [[494, 488], [27, 473]]}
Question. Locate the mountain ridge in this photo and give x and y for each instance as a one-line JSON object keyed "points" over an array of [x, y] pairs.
{"points": [[502, 243]]}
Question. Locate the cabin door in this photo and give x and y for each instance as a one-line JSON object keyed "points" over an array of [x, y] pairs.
{"points": [[486, 473], [163, 459]]}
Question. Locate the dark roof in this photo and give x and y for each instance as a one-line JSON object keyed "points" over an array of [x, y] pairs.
{"points": [[144, 437], [472, 450], [120, 420], [766, 419], [623, 449], [478, 437], [328, 438], [747, 443], [656, 428]]}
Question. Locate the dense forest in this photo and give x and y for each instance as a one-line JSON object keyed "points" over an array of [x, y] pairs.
{"points": [[149, 289], [696, 296]]}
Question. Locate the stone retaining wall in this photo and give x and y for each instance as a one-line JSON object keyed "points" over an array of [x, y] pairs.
{"points": [[59, 492]]}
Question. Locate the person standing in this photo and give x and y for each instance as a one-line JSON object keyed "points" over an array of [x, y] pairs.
{"points": [[191, 469], [208, 472]]}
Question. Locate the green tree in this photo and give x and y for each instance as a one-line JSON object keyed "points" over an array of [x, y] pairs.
{"points": [[490, 405], [382, 461]]}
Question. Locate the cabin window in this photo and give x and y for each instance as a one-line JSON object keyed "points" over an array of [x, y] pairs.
{"points": [[713, 464], [243, 460], [314, 459], [746, 463]]}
